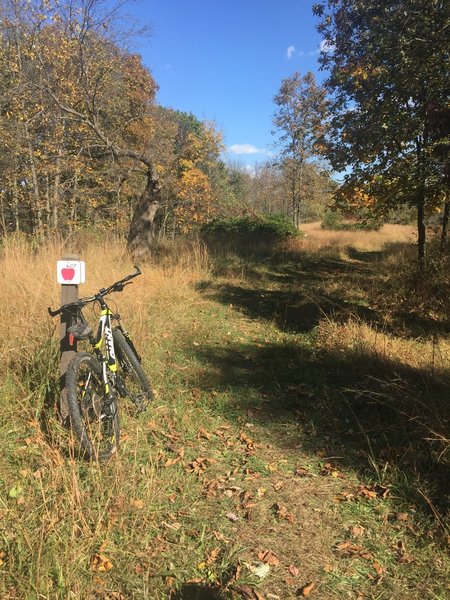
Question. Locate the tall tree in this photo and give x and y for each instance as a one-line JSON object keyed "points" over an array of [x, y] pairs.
{"points": [[388, 63], [78, 121], [300, 122]]}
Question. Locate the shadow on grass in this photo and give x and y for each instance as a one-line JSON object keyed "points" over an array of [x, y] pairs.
{"points": [[197, 591], [373, 414], [296, 290], [292, 311]]}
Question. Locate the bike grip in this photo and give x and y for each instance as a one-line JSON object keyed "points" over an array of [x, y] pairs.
{"points": [[53, 313]]}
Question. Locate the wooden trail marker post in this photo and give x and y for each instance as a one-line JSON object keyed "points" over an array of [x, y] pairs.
{"points": [[70, 273]]}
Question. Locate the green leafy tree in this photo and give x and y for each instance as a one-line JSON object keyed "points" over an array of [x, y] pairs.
{"points": [[388, 63], [300, 121]]}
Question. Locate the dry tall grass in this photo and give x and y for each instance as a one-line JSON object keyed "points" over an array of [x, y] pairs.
{"points": [[60, 518], [28, 286], [318, 239]]}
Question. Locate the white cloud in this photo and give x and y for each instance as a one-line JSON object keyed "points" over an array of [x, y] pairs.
{"points": [[326, 46], [245, 149], [290, 51]]}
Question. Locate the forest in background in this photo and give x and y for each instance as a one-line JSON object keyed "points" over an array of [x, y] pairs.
{"points": [[85, 144], [80, 129]]}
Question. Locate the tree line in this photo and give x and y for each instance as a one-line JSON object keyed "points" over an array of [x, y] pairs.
{"points": [[85, 143]]}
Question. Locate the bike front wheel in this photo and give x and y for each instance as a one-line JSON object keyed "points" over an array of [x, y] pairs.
{"points": [[93, 415], [136, 383]]}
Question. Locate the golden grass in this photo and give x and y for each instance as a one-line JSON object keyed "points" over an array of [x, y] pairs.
{"points": [[146, 510], [28, 286], [357, 338], [318, 239]]}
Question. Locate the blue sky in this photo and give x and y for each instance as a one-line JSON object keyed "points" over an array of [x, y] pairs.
{"points": [[224, 61]]}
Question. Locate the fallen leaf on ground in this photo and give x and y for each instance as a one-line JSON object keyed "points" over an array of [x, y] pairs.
{"points": [[293, 571], [198, 465], [220, 537], [372, 491], [173, 526], [101, 563], [348, 548], [248, 593], [232, 517], [357, 531], [302, 472], [328, 469], [402, 555], [307, 589], [268, 557], [344, 497], [245, 498], [247, 440], [137, 503], [202, 433], [212, 556], [282, 513], [378, 568]]}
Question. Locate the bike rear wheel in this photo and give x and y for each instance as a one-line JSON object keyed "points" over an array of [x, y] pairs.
{"points": [[136, 382], [93, 417]]}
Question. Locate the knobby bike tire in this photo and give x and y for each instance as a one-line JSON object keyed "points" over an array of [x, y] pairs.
{"points": [[137, 384], [98, 435]]}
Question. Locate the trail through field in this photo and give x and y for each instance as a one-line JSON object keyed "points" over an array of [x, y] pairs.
{"points": [[278, 460], [291, 472]]}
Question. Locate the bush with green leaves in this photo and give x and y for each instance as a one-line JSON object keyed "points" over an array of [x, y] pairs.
{"points": [[261, 229], [333, 220]]}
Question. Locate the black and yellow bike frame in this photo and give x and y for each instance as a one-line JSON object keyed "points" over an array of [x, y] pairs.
{"points": [[104, 340]]}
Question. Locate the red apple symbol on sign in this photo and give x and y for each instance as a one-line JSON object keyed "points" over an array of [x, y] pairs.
{"points": [[68, 273]]}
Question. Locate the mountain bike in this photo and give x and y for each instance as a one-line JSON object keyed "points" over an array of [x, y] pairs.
{"points": [[96, 380]]}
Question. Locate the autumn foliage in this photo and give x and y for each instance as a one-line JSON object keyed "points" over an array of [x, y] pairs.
{"points": [[77, 115]]}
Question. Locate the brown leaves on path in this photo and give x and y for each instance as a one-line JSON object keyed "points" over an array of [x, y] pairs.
{"points": [[282, 513], [268, 557]]}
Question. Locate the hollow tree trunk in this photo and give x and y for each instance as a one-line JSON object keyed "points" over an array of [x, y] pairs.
{"points": [[143, 228]]}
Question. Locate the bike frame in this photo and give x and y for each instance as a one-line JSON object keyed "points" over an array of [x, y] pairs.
{"points": [[105, 338]]}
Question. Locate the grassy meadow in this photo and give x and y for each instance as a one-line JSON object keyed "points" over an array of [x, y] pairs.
{"points": [[298, 445]]}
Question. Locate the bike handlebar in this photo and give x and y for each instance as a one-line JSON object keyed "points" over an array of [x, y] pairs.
{"points": [[115, 287]]}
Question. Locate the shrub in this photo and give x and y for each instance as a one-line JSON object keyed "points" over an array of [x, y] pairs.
{"points": [[334, 221], [256, 230]]}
